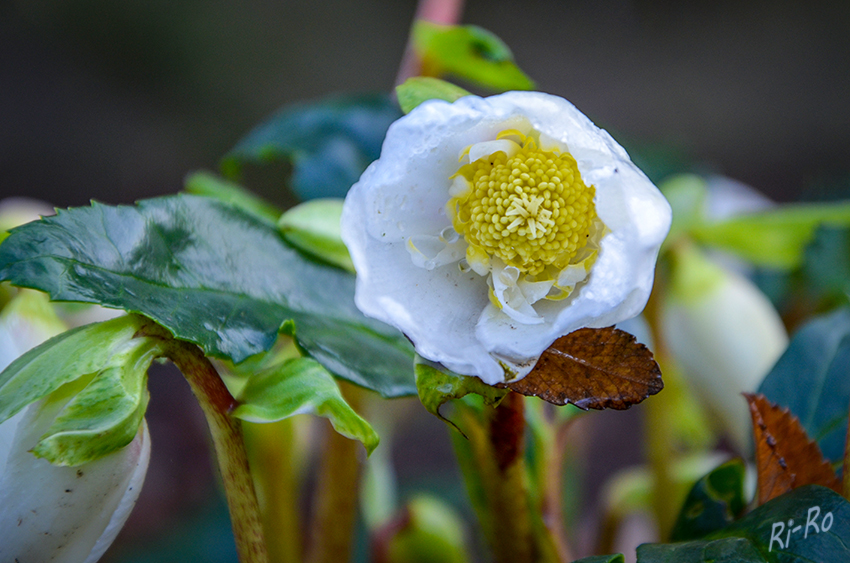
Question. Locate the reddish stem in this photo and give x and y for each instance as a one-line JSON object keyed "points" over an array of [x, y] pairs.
{"points": [[445, 12]]}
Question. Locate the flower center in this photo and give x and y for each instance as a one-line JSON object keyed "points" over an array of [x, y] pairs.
{"points": [[530, 208]]}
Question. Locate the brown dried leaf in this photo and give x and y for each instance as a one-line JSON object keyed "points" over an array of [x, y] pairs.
{"points": [[785, 456], [593, 368]]}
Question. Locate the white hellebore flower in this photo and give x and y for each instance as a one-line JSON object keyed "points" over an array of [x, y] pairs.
{"points": [[490, 227], [48, 512]]}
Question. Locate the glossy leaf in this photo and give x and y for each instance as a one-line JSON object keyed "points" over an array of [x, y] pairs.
{"points": [[212, 275], [785, 456], [62, 359], [776, 238], [810, 524], [593, 369], [210, 185], [329, 142], [617, 558], [105, 415], [713, 503], [810, 379], [468, 52], [419, 89], [300, 386], [436, 386], [313, 226]]}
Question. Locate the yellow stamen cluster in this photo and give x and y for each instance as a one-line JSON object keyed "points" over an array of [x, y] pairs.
{"points": [[531, 210]]}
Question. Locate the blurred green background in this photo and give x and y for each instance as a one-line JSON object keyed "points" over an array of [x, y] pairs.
{"points": [[117, 100]]}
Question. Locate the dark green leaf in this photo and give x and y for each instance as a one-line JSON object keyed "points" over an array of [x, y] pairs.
{"points": [[209, 185], [826, 265], [468, 52], [713, 503], [300, 386], [212, 275], [422, 88], [329, 142], [817, 518], [811, 380], [618, 558]]}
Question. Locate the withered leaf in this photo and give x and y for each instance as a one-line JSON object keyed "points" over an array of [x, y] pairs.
{"points": [[593, 368], [786, 458]]}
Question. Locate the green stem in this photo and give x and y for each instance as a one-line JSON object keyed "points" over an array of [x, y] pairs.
{"points": [[657, 430], [271, 454], [335, 503], [216, 402]]}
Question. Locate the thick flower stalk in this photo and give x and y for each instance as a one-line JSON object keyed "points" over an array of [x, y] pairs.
{"points": [[491, 226]]}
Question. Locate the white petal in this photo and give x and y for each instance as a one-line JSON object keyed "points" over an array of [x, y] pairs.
{"points": [[64, 514], [446, 312]]}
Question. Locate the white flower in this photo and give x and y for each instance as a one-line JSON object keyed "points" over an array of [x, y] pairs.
{"points": [[492, 226], [48, 512]]}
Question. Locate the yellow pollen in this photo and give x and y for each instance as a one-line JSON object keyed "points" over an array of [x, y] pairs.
{"points": [[531, 210]]}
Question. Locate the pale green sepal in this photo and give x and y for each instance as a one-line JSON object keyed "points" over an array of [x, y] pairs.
{"points": [[207, 184], [63, 358], [105, 415], [694, 277], [432, 531], [686, 194], [774, 238], [419, 89], [469, 52], [313, 226], [301, 386], [436, 386]]}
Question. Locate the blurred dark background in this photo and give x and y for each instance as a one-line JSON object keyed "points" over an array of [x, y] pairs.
{"points": [[117, 100]]}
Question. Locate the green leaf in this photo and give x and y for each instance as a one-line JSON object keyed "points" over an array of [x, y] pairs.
{"points": [[437, 386], [469, 52], [826, 266], [416, 90], [64, 358], [208, 184], [618, 558], [212, 275], [329, 142], [313, 226], [810, 379], [713, 503], [105, 415], [763, 535], [775, 238], [300, 386]]}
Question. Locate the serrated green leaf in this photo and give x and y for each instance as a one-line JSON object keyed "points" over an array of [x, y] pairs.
{"points": [[62, 359], [713, 503], [775, 238], [810, 379], [416, 90], [207, 184], [212, 275], [469, 52], [313, 226], [300, 386], [329, 142], [763, 535], [617, 558], [436, 386], [105, 415]]}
